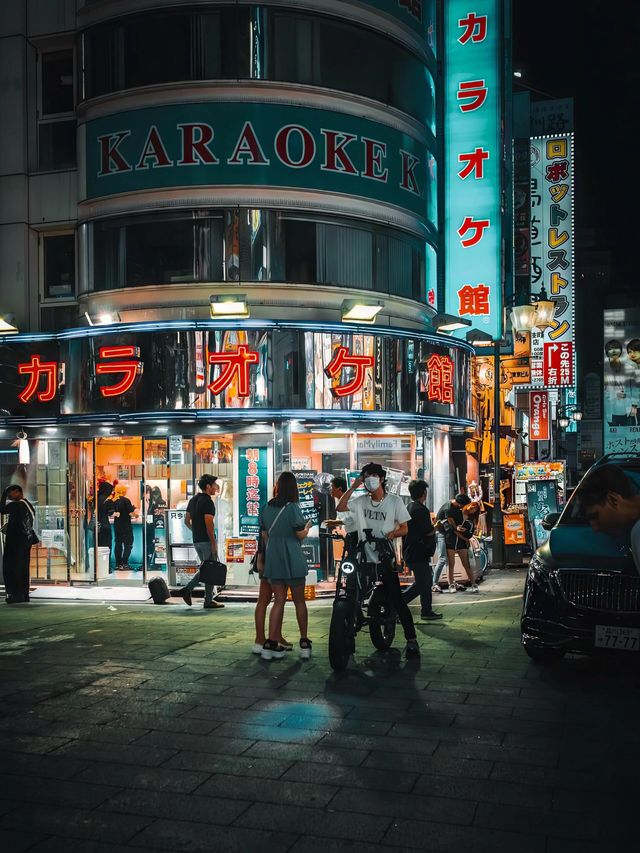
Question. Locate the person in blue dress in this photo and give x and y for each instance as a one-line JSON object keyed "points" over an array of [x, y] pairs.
{"points": [[283, 530]]}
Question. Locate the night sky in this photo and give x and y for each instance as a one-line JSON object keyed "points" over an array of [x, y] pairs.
{"points": [[590, 50]]}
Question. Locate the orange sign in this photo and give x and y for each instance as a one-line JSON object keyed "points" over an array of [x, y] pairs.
{"points": [[514, 529]]}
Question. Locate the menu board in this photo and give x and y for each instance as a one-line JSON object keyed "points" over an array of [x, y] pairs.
{"points": [[306, 485]]}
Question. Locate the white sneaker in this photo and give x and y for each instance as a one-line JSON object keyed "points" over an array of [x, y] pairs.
{"points": [[271, 654], [474, 588], [436, 588], [453, 587], [256, 649], [305, 649]]}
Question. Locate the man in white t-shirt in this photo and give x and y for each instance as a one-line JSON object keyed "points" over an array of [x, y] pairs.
{"points": [[386, 516], [610, 501]]}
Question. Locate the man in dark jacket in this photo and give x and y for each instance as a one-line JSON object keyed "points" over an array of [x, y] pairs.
{"points": [[19, 537], [418, 547]]}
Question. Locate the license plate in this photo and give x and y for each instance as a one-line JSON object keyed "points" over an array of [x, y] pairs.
{"points": [[624, 639]]}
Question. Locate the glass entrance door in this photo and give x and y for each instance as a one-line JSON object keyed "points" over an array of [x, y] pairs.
{"points": [[82, 516], [120, 509]]}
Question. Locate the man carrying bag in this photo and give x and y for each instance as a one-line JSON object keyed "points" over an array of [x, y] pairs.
{"points": [[200, 520]]}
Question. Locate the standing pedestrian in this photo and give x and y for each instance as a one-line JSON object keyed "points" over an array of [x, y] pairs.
{"points": [[122, 528], [386, 516], [104, 513], [451, 518], [19, 537], [265, 594], [418, 547], [283, 530], [199, 518], [154, 508]]}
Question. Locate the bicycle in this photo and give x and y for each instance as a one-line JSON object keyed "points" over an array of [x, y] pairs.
{"points": [[479, 551], [360, 601]]}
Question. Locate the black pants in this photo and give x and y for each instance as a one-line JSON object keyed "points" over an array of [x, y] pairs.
{"points": [[124, 545], [421, 586], [15, 569], [391, 587], [104, 536]]}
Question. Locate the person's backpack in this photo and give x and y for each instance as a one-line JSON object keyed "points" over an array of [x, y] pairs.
{"points": [[159, 590]]}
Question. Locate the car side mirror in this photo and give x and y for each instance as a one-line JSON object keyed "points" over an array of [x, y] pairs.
{"points": [[550, 520]]}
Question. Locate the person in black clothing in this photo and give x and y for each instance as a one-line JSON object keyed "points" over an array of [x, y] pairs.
{"points": [[19, 537], [105, 510], [199, 519], [450, 520], [418, 547], [123, 510]]}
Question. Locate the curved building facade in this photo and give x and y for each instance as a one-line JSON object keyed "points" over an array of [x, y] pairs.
{"points": [[231, 253]]}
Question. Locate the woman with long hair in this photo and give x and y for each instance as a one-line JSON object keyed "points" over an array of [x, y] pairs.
{"points": [[283, 530]]}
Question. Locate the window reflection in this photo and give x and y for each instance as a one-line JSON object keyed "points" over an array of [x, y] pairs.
{"points": [[259, 245], [255, 43]]}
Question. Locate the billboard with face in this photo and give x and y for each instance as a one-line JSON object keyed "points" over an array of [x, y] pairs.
{"points": [[621, 394]]}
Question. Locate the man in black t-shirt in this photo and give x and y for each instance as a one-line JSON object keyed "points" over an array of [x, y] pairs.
{"points": [[19, 537], [199, 519], [123, 510], [418, 547]]}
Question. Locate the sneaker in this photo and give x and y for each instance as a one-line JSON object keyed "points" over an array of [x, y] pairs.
{"points": [[474, 588], [431, 615], [212, 605], [186, 595], [436, 588], [272, 650], [305, 649], [453, 587], [256, 649], [412, 650]]}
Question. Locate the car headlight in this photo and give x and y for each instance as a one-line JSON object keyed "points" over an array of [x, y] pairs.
{"points": [[540, 574], [348, 568]]}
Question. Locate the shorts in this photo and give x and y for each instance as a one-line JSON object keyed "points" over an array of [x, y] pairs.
{"points": [[287, 581]]}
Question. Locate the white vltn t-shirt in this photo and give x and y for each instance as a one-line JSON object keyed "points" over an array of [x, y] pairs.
{"points": [[380, 517]]}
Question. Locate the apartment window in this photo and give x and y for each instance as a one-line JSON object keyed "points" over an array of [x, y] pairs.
{"points": [[59, 265], [56, 115]]}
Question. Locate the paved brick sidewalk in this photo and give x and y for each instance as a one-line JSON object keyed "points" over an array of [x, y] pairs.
{"points": [[154, 728]]}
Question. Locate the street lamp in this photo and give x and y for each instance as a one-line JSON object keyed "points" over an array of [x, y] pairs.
{"points": [[564, 416]]}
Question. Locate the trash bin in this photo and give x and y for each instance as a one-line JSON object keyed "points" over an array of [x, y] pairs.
{"points": [[104, 555]]}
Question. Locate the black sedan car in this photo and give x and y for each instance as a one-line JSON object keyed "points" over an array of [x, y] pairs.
{"points": [[582, 592]]}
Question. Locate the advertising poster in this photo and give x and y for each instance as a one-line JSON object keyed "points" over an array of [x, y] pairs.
{"points": [[542, 498], [306, 486], [252, 488], [621, 397], [525, 471], [539, 412], [514, 529]]}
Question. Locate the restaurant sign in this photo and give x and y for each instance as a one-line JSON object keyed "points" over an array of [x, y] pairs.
{"points": [[222, 144], [235, 368], [473, 168]]}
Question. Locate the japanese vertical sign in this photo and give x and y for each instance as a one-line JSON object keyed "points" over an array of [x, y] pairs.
{"points": [[552, 242], [539, 416], [252, 488], [473, 115]]}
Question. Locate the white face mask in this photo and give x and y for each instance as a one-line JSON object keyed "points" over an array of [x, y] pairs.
{"points": [[372, 483]]}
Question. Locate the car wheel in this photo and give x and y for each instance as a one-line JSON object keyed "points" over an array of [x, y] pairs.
{"points": [[544, 656]]}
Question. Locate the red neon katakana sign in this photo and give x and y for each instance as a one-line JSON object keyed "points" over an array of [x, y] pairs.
{"points": [[35, 369], [124, 360], [477, 227], [474, 301], [440, 369], [475, 28], [342, 358], [473, 93], [237, 364]]}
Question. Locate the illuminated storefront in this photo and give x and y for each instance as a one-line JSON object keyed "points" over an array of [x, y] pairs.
{"points": [[154, 409]]}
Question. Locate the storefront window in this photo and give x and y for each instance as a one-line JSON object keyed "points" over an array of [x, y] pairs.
{"points": [[258, 245], [143, 50], [48, 488]]}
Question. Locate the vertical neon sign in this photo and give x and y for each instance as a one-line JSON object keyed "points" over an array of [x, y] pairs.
{"points": [[473, 140]]}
